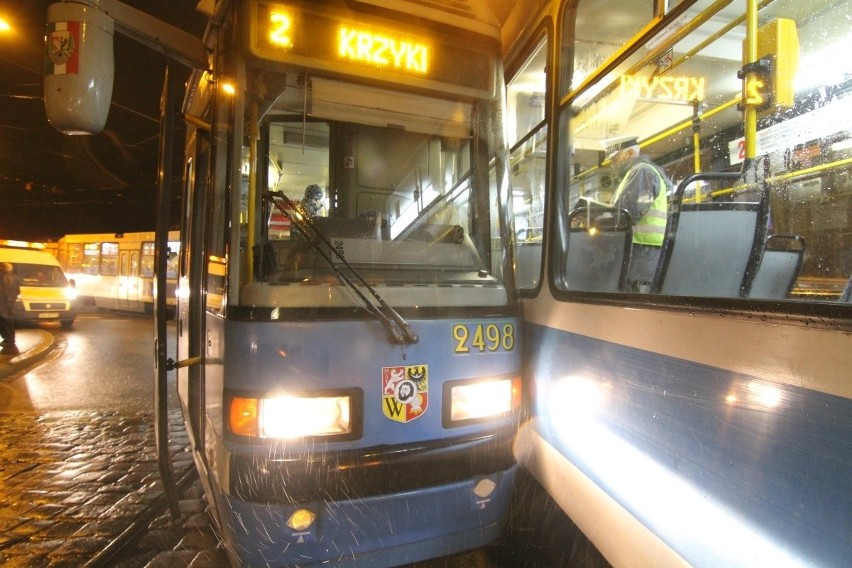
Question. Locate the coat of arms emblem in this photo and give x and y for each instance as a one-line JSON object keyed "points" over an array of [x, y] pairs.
{"points": [[405, 392]]}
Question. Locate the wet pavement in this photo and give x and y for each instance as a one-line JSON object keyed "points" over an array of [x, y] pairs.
{"points": [[75, 483]]}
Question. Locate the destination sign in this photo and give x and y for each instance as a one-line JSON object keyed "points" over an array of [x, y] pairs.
{"points": [[307, 35]]}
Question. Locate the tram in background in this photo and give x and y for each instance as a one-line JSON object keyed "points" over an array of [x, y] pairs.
{"points": [[705, 419], [116, 270], [358, 389]]}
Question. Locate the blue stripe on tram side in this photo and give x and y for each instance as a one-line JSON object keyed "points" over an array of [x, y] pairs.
{"points": [[725, 468]]}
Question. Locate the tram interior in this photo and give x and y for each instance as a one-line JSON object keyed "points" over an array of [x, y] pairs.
{"points": [[686, 77]]}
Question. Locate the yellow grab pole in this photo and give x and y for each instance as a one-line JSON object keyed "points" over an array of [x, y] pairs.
{"points": [[750, 113], [696, 145]]}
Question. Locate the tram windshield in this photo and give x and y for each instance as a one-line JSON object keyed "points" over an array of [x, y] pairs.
{"points": [[401, 188]]}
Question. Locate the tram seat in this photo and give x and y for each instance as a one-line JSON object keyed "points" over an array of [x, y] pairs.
{"points": [[598, 250], [779, 267], [711, 249]]}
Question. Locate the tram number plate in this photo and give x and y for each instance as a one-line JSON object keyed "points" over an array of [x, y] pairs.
{"points": [[48, 315], [483, 337]]}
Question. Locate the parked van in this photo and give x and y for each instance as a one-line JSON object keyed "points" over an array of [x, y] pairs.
{"points": [[45, 294]]}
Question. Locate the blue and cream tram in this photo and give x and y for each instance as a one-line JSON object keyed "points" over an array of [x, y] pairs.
{"points": [[348, 331], [704, 418], [346, 282]]}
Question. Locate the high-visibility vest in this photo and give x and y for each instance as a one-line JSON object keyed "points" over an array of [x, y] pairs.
{"points": [[650, 229]]}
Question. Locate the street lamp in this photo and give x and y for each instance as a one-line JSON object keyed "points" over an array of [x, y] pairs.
{"points": [[4, 25]]}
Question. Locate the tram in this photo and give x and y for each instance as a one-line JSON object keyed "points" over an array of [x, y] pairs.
{"points": [[359, 384], [116, 270], [348, 330], [701, 417]]}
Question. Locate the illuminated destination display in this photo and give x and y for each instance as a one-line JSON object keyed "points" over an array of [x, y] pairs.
{"points": [[673, 88], [377, 48], [382, 50], [310, 35]]}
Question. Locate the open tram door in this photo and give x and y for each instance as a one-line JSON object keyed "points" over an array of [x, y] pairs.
{"points": [[162, 364], [77, 97]]}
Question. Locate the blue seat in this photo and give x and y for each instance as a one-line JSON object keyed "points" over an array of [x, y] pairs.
{"points": [[711, 249], [598, 250], [779, 267]]}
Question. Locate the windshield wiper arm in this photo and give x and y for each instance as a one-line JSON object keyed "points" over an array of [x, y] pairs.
{"points": [[399, 330]]}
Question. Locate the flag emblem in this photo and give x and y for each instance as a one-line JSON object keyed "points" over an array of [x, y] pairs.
{"points": [[63, 48]]}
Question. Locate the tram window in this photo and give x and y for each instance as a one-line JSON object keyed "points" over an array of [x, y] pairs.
{"points": [[528, 137], [298, 157], [91, 260], [398, 174], [74, 257], [675, 81], [147, 261], [597, 36], [216, 214], [172, 259], [109, 259]]}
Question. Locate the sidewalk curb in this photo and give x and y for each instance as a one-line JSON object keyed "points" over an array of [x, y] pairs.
{"points": [[30, 356]]}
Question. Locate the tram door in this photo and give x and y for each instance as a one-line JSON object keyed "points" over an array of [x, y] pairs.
{"points": [[128, 274], [192, 297]]}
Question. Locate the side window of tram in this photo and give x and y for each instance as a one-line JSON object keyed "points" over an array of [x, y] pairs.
{"points": [[670, 108], [109, 259], [527, 138]]}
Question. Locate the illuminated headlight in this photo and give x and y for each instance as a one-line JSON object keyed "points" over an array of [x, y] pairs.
{"points": [[480, 400], [290, 416], [70, 293]]}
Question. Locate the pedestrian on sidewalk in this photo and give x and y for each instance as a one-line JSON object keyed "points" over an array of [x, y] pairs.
{"points": [[10, 287]]}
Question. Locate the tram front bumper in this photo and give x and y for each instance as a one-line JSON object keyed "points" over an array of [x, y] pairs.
{"points": [[357, 474], [379, 508]]}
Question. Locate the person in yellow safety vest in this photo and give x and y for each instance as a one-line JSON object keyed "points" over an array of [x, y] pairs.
{"points": [[643, 192]]}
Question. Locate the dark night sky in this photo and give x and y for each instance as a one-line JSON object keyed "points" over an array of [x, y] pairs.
{"points": [[53, 184]]}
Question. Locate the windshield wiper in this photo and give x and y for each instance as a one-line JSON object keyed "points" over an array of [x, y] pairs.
{"points": [[399, 330]]}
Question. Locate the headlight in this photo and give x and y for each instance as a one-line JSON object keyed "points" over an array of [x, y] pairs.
{"points": [[290, 417], [296, 416], [481, 399], [70, 293]]}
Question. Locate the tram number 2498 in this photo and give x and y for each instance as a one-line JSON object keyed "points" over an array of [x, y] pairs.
{"points": [[483, 337]]}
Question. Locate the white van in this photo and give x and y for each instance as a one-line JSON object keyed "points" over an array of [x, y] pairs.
{"points": [[45, 292]]}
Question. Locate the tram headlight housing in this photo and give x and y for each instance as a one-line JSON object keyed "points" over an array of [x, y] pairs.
{"points": [[327, 414], [472, 401]]}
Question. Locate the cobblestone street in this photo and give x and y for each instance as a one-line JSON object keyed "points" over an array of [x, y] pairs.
{"points": [[73, 482]]}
